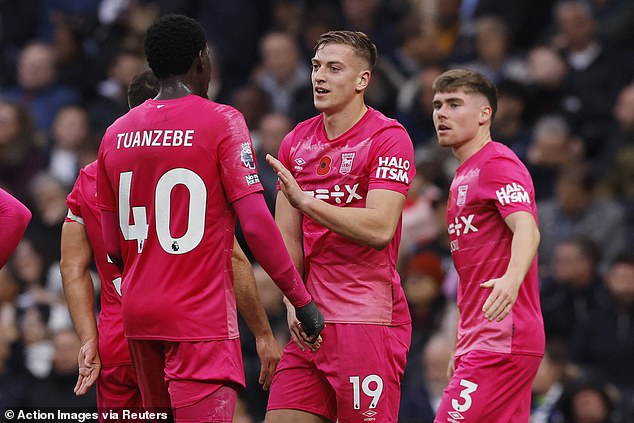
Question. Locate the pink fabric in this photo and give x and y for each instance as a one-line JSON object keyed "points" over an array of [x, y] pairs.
{"points": [[327, 382], [489, 387], [113, 347], [170, 170], [350, 282], [14, 218], [267, 245], [117, 388], [487, 187]]}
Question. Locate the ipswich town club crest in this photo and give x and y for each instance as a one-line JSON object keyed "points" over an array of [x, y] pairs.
{"points": [[346, 163], [247, 156]]}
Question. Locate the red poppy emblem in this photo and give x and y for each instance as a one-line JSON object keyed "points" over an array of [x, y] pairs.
{"points": [[324, 166]]}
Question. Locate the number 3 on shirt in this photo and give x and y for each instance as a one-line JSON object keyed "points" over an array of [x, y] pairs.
{"points": [[162, 210]]}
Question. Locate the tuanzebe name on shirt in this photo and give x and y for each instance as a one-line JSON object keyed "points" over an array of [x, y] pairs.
{"points": [[155, 138]]}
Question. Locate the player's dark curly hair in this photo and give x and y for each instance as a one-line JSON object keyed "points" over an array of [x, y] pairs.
{"points": [[144, 85], [172, 43]]}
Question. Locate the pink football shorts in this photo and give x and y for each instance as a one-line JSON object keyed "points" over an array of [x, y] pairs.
{"points": [[355, 376], [117, 389], [489, 387], [183, 374]]}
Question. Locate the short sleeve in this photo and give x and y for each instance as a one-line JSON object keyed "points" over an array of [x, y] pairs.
{"points": [[238, 168], [506, 182], [73, 203], [391, 159]]}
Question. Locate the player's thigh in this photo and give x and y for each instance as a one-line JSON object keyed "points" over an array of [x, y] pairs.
{"points": [[117, 388], [488, 387], [366, 371], [299, 388]]}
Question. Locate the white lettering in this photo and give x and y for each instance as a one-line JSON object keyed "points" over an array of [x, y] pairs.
{"points": [[189, 136], [167, 136], [156, 142], [147, 139], [127, 140], [136, 142], [512, 193], [155, 138], [178, 138], [462, 226]]}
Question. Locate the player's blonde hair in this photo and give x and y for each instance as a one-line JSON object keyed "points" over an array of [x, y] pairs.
{"points": [[359, 41]]}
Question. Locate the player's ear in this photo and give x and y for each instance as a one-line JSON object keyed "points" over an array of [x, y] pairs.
{"points": [[363, 81], [485, 115]]}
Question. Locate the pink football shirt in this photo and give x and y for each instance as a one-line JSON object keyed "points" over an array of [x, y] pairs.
{"points": [[489, 186], [82, 208], [170, 169], [351, 283]]}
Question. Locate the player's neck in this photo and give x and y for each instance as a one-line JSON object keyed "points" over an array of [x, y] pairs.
{"points": [[471, 147], [171, 88], [339, 122]]}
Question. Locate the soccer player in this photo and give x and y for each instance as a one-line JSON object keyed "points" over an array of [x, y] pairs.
{"points": [[492, 224], [344, 176], [103, 345], [14, 218], [172, 174]]}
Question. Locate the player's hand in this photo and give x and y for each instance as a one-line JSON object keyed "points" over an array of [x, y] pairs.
{"points": [[89, 367], [311, 321], [297, 333], [269, 353], [288, 184], [502, 298]]}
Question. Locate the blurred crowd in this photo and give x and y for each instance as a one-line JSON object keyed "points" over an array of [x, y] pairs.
{"points": [[565, 73]]}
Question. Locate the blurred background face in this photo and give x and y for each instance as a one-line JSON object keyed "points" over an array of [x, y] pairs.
{"points": [[572, 198], [589, 407], [33, 327], [67, 347], [546, 68], [49, 196], [36, 67], [624, 109], [9, 126], [491, 39], [280, 56], [571, 266], [273, 128], [550, 146], [620, 282], [125, 68], [576, 24], [70, 127]]}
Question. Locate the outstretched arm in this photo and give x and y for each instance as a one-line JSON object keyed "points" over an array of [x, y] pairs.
{"points": [[374, 225], [251, 309], [78, 289], [14, 218], [267, 245], [523, 250]]}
